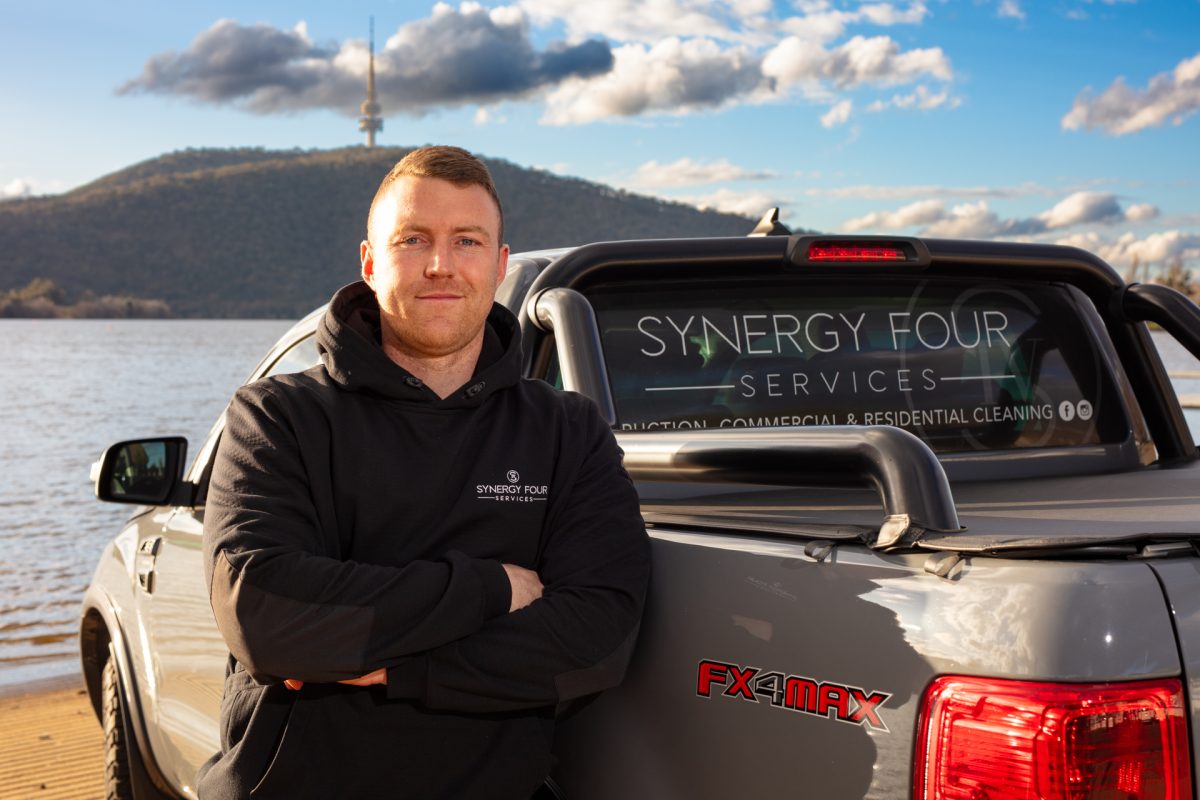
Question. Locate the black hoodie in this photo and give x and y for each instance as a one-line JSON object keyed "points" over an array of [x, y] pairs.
{"points": [[355, 520]]}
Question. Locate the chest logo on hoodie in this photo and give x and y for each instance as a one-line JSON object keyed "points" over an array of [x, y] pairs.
{"points": [[512, 492]]}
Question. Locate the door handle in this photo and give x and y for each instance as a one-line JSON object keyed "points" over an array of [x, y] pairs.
{"points": [[146, 554]]}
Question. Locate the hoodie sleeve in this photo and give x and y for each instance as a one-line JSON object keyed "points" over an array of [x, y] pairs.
{"points": [[577, 638], [284, 605]]}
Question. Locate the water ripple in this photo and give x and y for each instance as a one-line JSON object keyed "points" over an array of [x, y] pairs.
{"points": [[68, 389]]}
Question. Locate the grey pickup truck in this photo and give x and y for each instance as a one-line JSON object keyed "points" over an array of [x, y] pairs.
{"points": [[924, 517]]}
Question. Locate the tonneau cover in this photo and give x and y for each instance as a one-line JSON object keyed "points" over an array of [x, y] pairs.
{"points": [[1074, 511]]}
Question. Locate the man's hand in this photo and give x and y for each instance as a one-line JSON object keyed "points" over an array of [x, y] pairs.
{"points": [[526, 586], [379, 677]]}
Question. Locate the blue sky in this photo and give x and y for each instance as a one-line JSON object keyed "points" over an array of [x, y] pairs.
{"points": [[1063, 120]]}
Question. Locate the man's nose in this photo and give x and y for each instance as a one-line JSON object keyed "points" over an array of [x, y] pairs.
{"points": [[441, 261]]}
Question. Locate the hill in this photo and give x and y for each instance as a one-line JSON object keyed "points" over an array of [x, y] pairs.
{"points": [[259, 233]]}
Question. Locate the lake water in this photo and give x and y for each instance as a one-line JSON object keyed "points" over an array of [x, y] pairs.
{"points": [[70, 388]]}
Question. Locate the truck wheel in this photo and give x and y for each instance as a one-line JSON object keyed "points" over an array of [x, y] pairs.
{"points": [[117, 782]]}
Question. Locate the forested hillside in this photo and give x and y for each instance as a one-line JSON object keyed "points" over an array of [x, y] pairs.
{"points": [[255, 233]]}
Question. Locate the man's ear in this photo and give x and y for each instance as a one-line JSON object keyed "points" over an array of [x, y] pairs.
{"points": [[367, 257], [502, 265]]}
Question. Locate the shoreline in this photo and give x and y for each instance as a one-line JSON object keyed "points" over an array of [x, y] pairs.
{"points": [[38, 686]]}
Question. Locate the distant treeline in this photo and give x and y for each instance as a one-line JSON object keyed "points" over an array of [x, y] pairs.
{"points": [[43, 298], [1175, 276], [259, 233]]}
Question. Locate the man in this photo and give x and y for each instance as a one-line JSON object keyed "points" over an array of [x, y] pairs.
{"points": [[431, 551]]}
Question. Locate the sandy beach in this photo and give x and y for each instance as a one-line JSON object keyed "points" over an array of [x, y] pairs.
{"points": [[51, 747]]}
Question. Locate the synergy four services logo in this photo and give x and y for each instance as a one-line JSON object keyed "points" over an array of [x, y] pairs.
{"points": [[514, 491]]}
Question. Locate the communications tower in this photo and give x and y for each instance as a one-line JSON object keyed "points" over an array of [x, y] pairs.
{"points": [[370, 122]]}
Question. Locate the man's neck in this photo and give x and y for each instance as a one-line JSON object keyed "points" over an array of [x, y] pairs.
{"points": [[442, 374]]}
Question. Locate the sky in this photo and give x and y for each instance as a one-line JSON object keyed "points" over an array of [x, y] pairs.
{"points": [[1066, 121]]}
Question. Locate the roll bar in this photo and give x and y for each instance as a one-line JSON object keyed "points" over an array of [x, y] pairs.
{"points": [[569, 316], [1174, 311], [907, 475]]}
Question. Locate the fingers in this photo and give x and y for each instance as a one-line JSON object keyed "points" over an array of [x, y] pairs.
{"points": [[373, 678], [525, 584]]}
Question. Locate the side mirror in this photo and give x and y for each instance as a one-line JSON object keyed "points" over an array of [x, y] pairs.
{"points": [[143, 471]]}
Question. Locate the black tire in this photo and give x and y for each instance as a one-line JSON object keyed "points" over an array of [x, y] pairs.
{"points": [[118, 784]]}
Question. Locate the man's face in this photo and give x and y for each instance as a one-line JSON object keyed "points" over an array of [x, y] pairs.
{"points": [[434, 259]]}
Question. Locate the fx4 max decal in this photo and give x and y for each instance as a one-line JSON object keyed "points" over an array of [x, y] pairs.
{"points": [[847, 704]]}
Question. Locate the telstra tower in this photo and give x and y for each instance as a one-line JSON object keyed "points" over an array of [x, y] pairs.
{"points": [[370, 121]]}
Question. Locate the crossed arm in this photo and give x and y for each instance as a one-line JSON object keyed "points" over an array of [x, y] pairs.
{"points": [[458, 633], [526, 587]]}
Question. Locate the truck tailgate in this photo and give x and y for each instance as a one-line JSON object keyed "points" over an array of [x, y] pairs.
{"points": [[1181, 582], [756, 661]]}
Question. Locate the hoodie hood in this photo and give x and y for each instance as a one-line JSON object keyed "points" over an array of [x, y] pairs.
{"points": [[348, 339]]}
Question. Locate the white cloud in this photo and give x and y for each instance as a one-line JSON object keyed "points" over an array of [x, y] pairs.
{"points": [[794, 61], [884, 14], [1010, 9], [978, 221], [619, 59], [1155, 249], [450, 58], [873, 192], [1082, 207], [1141, 212], [674, 76], [838, 115], [921, 99], [742, 21], [1094, 207], [507, 16], [488, 116], [648, 21], [968, 221], [819, 22], [750, 204], [686, 172], [670, 66], [922, 212], [1118, 110], [16, 189], [876, 59]]}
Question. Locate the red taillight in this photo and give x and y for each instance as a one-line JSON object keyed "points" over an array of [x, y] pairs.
{"points": [[1010, 740], [831, 251]]}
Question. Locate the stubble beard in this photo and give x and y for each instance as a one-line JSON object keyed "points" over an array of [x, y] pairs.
{"points": [[432, 339]]}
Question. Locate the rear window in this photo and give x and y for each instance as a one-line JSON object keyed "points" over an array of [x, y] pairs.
{"points": [[964, 366]]}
